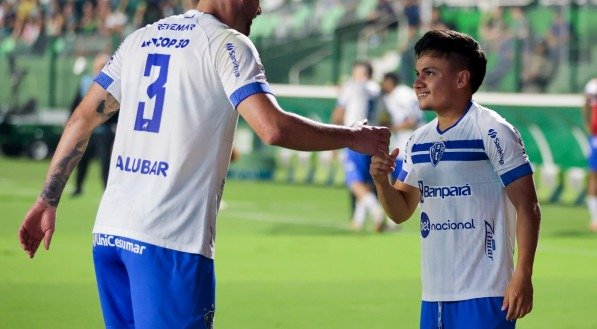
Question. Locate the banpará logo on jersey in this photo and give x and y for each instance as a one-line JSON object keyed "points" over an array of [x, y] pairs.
{"points": [[443, 191], [448, 225], [232, 53], [489, 240], [436, 151], [105, 240], [494, 136]]}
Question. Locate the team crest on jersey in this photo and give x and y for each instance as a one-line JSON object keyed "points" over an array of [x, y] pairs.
{"points": [[436, 151]]}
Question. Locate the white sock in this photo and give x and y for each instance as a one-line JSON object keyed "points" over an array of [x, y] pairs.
{"points": [[373, 207], [592, 203], [359, 214]]}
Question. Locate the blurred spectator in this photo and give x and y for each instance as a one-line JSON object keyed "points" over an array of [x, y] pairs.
{"points": [[436, 22], [538, 70], [7, 17], [558, 36], [413, 17], [70, 21], [384, 15], [381, 19], [150, 11], [498, 38], [114, 23], [54, 20], [521, 29], [24, 9], [89, 22]]}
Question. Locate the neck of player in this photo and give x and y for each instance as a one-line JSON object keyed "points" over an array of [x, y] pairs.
{"points": [[449, 115]]}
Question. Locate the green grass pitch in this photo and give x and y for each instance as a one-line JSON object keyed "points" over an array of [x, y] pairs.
{"points": [[285, 259]]}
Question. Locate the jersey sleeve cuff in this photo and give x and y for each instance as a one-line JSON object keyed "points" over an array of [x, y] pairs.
{"points": [[516, 173], [247, 90], [103, 80], [402, 175]]}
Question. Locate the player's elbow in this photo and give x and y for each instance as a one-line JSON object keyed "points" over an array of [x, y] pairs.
{"points": [[398, 219], [272, 136]]}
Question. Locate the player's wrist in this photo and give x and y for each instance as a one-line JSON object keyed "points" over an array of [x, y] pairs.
{"points": [[524, 271], [352, 140], [43, 202]]}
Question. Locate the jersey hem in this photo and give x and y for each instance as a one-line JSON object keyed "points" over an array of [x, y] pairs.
{"points": [[459, 297], [100, 229]]}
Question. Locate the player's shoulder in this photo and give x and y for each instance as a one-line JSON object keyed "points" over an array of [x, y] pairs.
{"points": [[218, 32], [491, 124], [485, 117]]}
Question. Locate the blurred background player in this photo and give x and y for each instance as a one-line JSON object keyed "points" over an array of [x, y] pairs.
{"points": [[100, 142], [399, 110], [179, 103], [590, 114], [357, 102]]}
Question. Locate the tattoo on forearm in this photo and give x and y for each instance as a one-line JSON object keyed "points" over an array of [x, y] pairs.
{"points": [[108, 108], [58, 178]]}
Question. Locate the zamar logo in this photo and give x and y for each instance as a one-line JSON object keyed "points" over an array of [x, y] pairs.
{"points": [[489, 240]]}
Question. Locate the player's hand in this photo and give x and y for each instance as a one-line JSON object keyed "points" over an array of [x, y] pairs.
{"points": [[38, 225], [370, 139], [518, 299], [383, 164]]}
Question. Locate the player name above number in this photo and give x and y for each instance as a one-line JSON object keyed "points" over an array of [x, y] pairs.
{"points": [[176, 27]]}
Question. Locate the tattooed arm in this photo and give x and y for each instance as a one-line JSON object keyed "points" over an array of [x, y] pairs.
{"points": [[39, 223]]}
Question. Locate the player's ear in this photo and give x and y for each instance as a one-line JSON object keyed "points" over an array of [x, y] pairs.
{"points": [[463, 78]]}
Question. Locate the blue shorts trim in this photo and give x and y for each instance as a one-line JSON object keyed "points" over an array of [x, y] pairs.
{"points": [[475, 313], [145, 286], [592, 160], [356, 168]]}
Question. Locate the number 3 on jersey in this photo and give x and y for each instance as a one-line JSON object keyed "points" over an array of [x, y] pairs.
{"points": [[155, 89]]}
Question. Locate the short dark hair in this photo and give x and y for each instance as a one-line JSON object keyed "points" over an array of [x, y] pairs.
{"points": [[461, 48], [395, 78], [368, 67]]}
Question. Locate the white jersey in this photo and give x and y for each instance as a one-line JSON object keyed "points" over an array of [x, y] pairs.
{"points": [[467, 221], [358, 100], [178, 82], [402, 105]]}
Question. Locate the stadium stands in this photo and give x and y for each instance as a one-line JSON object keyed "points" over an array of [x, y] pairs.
{"points": [[316, 41]]}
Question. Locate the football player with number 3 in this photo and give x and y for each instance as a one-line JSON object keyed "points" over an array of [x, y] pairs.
{"points": [[180, 85], [470, 174]]}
